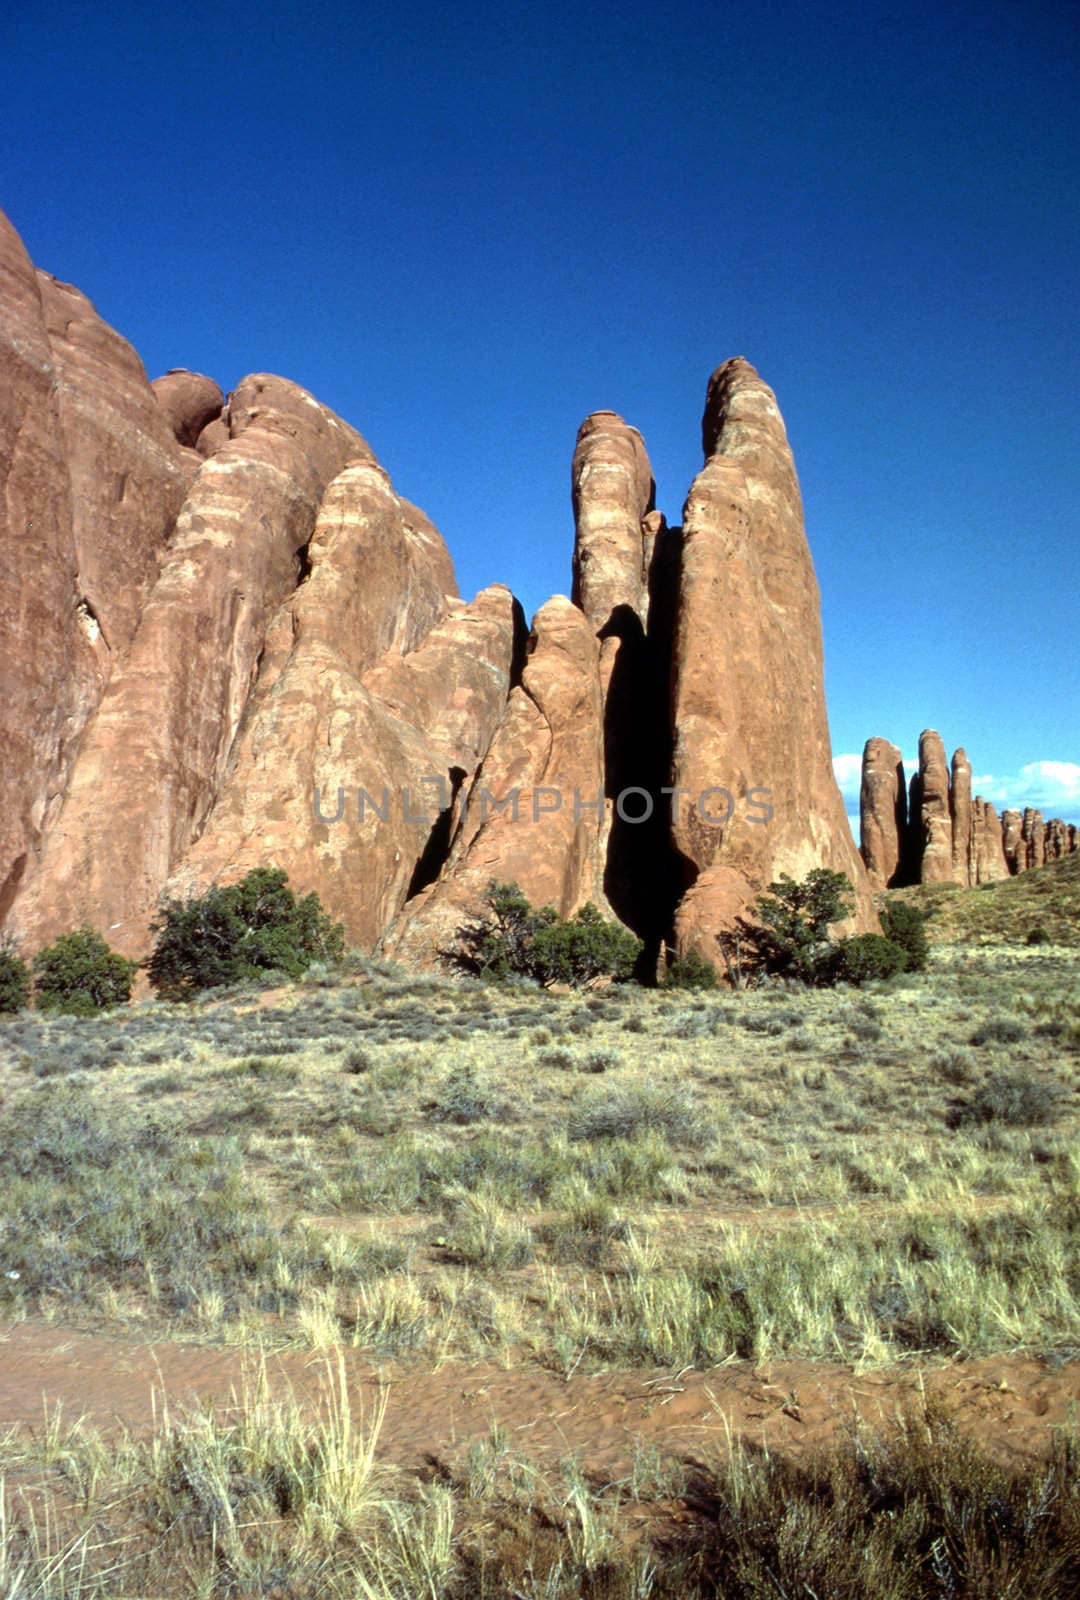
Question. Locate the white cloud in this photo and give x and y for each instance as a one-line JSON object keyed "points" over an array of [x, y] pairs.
{"points": [[848, 771], [1052, 787]]}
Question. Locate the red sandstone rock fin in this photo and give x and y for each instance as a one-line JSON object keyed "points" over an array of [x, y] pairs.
{"points": [[748, 701], [882, 812]]}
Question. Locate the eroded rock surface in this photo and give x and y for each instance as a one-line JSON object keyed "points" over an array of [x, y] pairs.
{"points": [[92, 482], [751, 742], [226, 627], [152, 763], [534, 812], [191, 402]]}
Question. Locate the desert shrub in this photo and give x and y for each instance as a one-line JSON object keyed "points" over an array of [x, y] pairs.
{"points": [[691, 1024], [602, 1061], [905, 925], [515, 940], [358, 1061], [630, 1111], [481, 1234], [1015, 1098], [272, 1070], [582, 949], [793, 919], [955, 1066], [464, 1098], [770, 1022], [691, 971], [498, 943], [999, 1030], [860, 959], [322, 975], [14, 977], [1038, 935], [78, 974], [560, 1059], [239, 933], [921, 1511]]}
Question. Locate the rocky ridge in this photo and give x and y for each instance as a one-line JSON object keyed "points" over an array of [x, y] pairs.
{"points": [[230, 642], [935, 831]]}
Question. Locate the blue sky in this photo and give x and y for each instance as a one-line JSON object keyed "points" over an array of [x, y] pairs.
{"points": [[465, 228]]}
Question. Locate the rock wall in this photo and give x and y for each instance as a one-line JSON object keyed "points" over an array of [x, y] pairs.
{"points": [[228, 641], [91, 482]]}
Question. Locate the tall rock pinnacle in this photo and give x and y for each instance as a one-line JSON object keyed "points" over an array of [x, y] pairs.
{"points": [[882, 812], [748, 702]]}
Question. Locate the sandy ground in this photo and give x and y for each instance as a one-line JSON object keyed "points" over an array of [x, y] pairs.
{"points": [[1010, 1403]]}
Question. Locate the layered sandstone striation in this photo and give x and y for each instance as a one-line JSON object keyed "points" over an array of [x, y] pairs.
{"points": [[961, 825], [229, 642], [932, 815], [612, 492], [153, 761], [535, 814], [950, 835]]}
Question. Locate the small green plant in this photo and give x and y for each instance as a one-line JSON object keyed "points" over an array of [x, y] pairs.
{"points": [[956, 1066], [636, 1110], [859, 959], [1014, 1098], [1000, 1030], [514, 939], [582, 949], [78, 974], [238, 933], [905, 925], [602, 1061], [691, 971], [497, 944], [560, 1059], [792, 935], [465, 1098], [14, 977]]}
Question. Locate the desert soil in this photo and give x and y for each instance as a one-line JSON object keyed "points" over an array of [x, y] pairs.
{"points": [[1011, 1404]]}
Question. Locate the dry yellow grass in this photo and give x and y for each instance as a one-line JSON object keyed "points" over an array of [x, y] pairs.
{"points": [[427, 1168]]}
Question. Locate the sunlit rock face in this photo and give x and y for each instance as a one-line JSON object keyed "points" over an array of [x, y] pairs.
{"points": [[747, 697], [229, 641]]}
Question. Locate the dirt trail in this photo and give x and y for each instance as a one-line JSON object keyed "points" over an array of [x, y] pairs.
{"points": [[1011, 1403]]}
